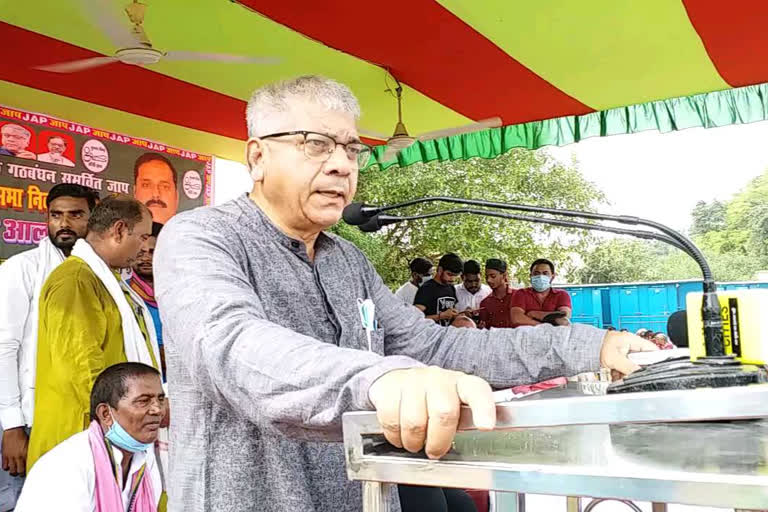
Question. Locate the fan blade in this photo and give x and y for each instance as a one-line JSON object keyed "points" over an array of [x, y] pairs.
{"points": [[77, 65], [483, 124], [220, 57], [372, 134], [119, 33]]}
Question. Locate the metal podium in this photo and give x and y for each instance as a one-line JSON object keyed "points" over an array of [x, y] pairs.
{"points": [[699, 447]]}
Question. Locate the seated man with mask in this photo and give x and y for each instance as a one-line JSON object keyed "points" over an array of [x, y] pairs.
{"points": [[109, 467], [541, 303]]}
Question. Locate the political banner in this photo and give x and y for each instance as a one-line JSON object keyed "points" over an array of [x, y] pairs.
{"points": [[38, 151]]}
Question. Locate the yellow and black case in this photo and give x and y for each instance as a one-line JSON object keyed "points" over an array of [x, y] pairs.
{"points": [[745, 324]]}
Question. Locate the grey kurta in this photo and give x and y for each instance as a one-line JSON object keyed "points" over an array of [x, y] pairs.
{"points": [[265, 351]]}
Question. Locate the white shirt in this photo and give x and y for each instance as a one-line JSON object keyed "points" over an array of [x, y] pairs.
{"points": [[55, 158], [18, 331], [467, 300], [407, 292], [65, 478]]}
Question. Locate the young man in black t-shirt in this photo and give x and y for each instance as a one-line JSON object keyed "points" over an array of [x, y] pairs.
{"points": [[437, 297]]}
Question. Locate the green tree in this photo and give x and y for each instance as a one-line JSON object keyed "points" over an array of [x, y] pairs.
{"points": [[708, 217], [733, 235], [618, 260], [520, 176], [729, 266], [747, 218], [623, 261]]}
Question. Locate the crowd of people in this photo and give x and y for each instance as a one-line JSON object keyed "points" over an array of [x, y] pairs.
{"points": [[493, 305], [254, 310], [659, 339], [66, 315]]}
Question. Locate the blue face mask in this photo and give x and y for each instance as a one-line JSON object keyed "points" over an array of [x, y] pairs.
{"points": [[118, 436], [540, 283]]}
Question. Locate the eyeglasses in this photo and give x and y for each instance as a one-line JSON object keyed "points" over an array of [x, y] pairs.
{"points": [[320, 147], [14, 136]]}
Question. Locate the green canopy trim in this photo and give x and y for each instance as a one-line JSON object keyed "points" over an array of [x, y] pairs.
{"points": [[720, 108]]}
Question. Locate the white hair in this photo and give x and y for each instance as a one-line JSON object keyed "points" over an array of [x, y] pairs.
{"points": [[275, 98], [18, 128]]}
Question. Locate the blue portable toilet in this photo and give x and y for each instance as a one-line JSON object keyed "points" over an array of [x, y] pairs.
{"points": [[634, 306], [587, 302]]}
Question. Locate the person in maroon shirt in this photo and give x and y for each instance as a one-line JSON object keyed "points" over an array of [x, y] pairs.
{"points": [[541, 303], [495, 309]]}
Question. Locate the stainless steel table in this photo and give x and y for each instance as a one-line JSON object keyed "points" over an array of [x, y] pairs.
{"points": [[641, 446]]}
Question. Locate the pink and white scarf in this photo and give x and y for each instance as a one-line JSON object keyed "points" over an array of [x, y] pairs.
{"points": [[109, 498]]}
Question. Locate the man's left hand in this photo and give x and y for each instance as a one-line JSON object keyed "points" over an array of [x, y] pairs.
{"points": [[556, 318], [616, 346]]}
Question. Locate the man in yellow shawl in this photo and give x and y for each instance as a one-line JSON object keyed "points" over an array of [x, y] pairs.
{"points": [[89, 320]]}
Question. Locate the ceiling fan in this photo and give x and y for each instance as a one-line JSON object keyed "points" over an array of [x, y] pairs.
{"points": [[133, 45], [400, 139]]}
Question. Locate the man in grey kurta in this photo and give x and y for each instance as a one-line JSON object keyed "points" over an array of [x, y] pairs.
{"points": [[265, 348]]}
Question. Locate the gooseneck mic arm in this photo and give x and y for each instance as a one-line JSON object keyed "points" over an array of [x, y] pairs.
{"points": [[358, 213], [369, 218], [377, 222]]}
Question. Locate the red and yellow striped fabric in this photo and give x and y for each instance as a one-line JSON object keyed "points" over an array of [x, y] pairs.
{"points": [[554, 71]]}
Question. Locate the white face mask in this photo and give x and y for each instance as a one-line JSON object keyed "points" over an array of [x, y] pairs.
{"points": [[424, 279], [540, 283]]}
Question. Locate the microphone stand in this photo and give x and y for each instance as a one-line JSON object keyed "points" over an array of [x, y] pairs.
{"points": [[710, 308]]}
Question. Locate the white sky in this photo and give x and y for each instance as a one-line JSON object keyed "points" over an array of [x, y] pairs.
{"points": [[662, 176]]}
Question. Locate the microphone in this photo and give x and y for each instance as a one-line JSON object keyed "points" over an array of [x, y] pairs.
{"points": [[357, 214], [369, 219], [677, 328]]}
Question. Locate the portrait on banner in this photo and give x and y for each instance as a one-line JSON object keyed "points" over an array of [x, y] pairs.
{"points": [[38, 151]]}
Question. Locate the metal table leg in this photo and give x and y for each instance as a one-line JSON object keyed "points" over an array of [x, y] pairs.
{"points": [[508, 501], [573, 504], [375, 497], [520, 501]]}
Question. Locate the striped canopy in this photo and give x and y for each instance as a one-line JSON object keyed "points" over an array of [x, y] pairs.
{"points": [[555, 71]]}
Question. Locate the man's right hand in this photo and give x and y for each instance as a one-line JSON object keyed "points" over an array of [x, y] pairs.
{"points": [[26, 154], [419, 407], [448, 314], [616, 346], [15, 443]]}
